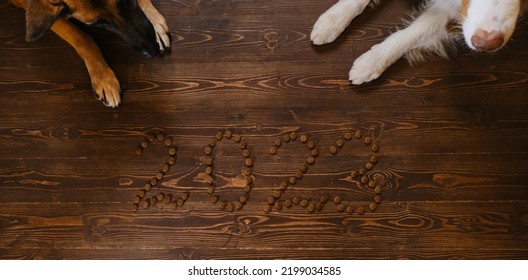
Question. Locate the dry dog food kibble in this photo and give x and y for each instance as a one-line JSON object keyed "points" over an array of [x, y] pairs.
{"points": [[219, 136], [168, 142], [364, 179], [146, 204], [299, 174], [246, 153], [358, 134], [360, 210]]}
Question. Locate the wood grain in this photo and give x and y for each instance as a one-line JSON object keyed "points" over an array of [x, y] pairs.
{"points": [[453, 138]]}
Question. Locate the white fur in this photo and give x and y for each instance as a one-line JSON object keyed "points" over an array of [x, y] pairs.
{"points": [[426, 34], [491, 15], [334, 21]]}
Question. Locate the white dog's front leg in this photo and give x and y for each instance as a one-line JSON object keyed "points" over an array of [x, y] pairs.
{"points": [[371, 64], [426, 31], [334, 21]]}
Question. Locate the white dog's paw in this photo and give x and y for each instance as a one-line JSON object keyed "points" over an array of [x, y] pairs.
{"points": [[369, 66], [106, 88], [329, 26], [334, 21]]}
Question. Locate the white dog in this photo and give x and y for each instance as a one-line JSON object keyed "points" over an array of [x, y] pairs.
{"points": [[486, 25]]}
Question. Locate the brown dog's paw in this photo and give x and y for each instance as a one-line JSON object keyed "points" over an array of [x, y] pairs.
{"points": [[158, 22], [162, 32], [107, 89]]}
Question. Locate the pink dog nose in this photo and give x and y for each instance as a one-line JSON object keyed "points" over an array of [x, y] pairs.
{"points": [[487, 41]]}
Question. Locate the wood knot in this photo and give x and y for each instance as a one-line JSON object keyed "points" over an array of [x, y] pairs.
{"points": [[98, 228], [272, 40], [65, 133]]}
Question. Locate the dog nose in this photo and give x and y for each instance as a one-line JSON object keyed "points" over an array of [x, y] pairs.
{"points": [[487, 41], [151, 53], [148, 49]]}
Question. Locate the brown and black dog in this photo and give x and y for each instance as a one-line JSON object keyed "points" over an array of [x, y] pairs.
{"points": [[137, 21]]}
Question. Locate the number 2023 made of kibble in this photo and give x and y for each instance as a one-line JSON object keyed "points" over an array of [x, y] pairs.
{"points": [[276, 200]]}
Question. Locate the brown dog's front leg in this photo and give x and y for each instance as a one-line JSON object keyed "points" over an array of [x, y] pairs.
{"points": [[104, 81], [158, 22]]}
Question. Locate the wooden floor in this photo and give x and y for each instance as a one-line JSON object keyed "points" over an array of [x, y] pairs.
{"points": [[449, 140]]}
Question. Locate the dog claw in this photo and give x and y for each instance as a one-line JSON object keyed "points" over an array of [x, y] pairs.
{"points": [[107, 89], [163, 41]]}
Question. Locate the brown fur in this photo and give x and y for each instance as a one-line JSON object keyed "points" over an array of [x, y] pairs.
{"points": [[136, 28], [464, 8]]}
